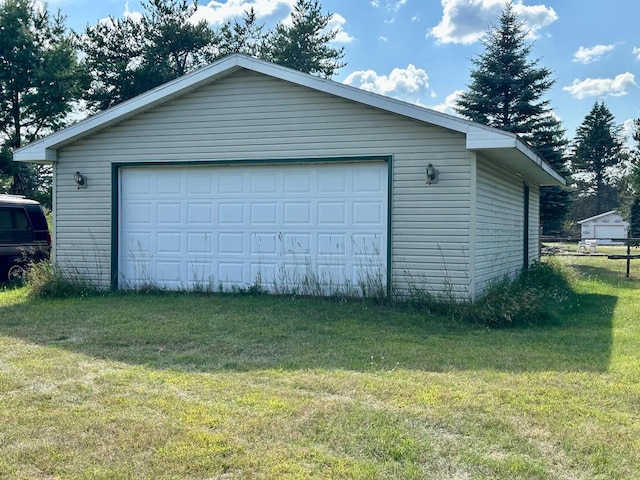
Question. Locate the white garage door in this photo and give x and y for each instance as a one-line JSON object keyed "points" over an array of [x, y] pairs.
{"points": [[302, 226], [607, 232]]}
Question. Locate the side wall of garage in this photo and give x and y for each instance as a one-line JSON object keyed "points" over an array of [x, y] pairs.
{"points": [[251, 117], [499, 219]]}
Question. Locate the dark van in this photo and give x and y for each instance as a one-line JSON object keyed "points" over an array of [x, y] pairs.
{"points": [[24, 235]]}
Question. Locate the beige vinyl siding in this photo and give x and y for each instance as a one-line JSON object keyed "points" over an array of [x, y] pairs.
{"points": [[248, 116], [500, 223]]}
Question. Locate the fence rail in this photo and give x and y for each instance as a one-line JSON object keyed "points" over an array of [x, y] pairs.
{"points": [[628, 242]]}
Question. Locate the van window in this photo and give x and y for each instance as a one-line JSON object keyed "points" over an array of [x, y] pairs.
{"points": [[5, 218], [14, 225]]}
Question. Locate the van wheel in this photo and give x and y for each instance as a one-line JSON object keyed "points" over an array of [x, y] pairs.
{"points": [[16, 272]]}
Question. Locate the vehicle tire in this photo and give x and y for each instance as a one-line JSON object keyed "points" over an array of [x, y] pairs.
{"points": [[16, 272]]}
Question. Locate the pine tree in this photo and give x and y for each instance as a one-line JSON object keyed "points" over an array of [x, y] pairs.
{"points": [[629, 184], [38, 85], [597, 147], [126, 57], [506, 92], [246, 37], [634, 220], [305, 44]]}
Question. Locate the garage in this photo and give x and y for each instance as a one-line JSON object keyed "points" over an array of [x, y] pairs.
{"points": [[607, 228], [246, 173], [315, 226]]}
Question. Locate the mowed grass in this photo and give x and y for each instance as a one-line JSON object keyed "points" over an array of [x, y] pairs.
{"points": [[229, 387]]}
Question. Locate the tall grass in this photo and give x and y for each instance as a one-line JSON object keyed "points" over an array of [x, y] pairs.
{"points": [[536, 296]]}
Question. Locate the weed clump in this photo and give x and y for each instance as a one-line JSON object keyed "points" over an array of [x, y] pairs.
{"points": [[535, 297], [46, 280]]}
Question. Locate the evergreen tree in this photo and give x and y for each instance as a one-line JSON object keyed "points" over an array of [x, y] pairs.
{"points": [[507, 92], [634, 219], [38, 85], [597, 148], [305, 44], [246, 37], [126, 57], [629, 185]]}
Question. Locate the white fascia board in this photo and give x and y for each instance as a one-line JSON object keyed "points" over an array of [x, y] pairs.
{"points": [[45, 149], [596, 217], [358, 95], [480, 137], [528, 151]]}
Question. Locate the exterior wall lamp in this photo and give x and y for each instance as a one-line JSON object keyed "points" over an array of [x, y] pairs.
{"points": [[432, 174], [81, 180]]}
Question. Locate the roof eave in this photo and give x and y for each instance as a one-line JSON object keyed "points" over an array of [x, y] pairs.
{"points": [[478, 137], [45, 149], [513, 153]]}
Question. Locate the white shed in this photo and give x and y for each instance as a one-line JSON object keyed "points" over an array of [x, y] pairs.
{"points": [[606, 228], [247, 172]]}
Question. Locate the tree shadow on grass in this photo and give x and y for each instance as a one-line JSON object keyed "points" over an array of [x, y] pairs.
{"points": [[241, 333], [613, 277]]}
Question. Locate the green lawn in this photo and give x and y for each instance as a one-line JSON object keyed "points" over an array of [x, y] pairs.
{"points": [[229, 387]]}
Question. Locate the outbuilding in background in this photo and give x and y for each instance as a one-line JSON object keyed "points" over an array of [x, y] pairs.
{"points": [[606, 228]]}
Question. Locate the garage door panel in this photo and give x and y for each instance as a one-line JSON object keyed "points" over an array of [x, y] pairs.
{"points": [[231, 184], [199, 185], [264, 213], [166, 185], [369, 181], [281, 224], [298, 213], [231, 273], [331, 213], [332, 182], [139, 213], [199, 214], [264, 272], [199, 243], [231, 244], [367, 213], [169, 271], [169, 243], [297, 183], [231, 213], [264, 244], [169, 213]]}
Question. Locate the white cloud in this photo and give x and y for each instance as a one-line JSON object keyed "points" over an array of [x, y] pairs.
{"points": [[217, 13], [410, 84], [393, 5], [636, 52], [597, 87], [449, 103], [133, 15], [382, 38], [629, 129], [466, 21], [590, 54], [337, 23]]}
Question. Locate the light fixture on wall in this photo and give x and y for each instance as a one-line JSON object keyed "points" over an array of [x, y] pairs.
{"points": [[432, 174], [81, 180]]}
